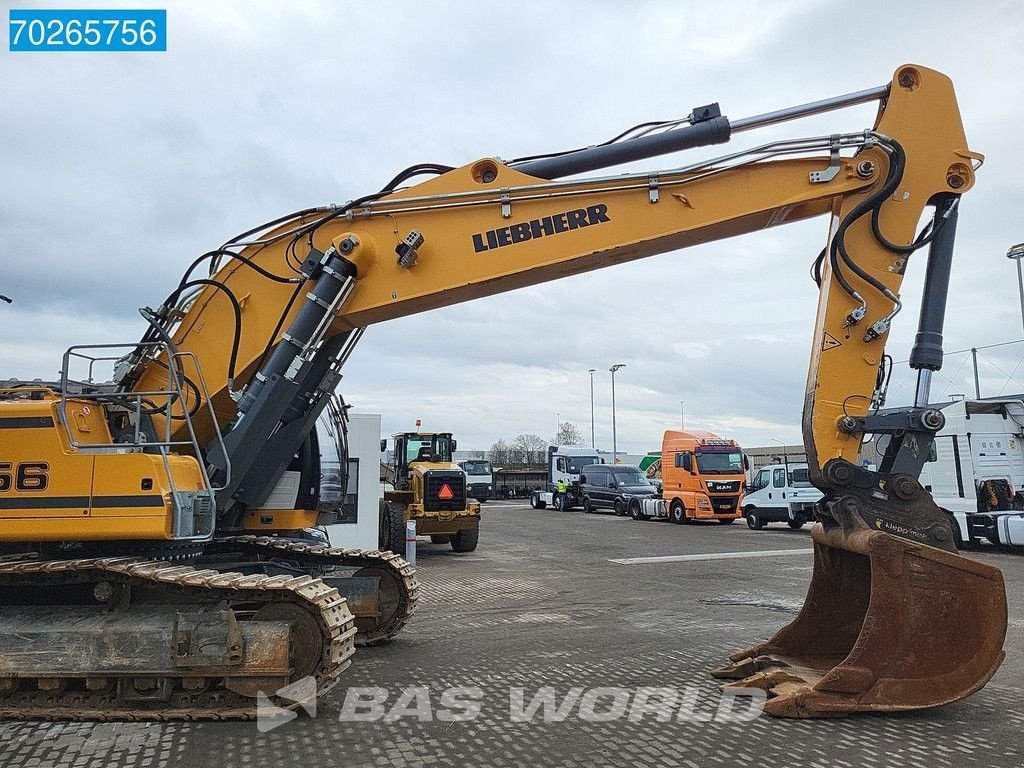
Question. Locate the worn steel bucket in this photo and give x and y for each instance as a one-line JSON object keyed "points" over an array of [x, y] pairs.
{"points": [[888, 624]]}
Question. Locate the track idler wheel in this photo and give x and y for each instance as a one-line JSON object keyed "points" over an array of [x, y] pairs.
{"points": [[891, 622]]}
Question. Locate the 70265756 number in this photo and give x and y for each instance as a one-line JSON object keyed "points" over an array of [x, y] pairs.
{"points": [[70, 30]]}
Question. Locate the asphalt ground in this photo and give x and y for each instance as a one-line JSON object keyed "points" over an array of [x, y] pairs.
{"points": [[541, 610]]}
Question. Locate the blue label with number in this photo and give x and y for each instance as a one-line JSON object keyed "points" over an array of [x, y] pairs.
{"points": [[87, 30]]}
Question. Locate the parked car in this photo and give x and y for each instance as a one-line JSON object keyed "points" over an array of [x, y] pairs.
{"points": [[780, 493], [618, 487]]}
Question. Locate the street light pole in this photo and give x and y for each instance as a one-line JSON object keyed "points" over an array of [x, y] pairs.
{"points": [[558, 424], [785, 456], [615, 446], [593, 442], [1016, 253], [682, 415]]}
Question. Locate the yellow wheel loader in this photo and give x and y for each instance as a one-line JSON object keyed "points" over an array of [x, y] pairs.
{"points": [[430, 490]]}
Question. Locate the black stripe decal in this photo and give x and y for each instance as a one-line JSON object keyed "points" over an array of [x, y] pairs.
{"points": [[82, 502], [148, 500], [46, 502], [26, 422]]}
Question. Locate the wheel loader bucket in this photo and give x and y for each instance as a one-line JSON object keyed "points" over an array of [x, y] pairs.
{"points": [[888, 624]]}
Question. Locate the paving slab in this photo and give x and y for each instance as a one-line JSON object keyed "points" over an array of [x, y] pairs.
{"points": [[539, 649]]}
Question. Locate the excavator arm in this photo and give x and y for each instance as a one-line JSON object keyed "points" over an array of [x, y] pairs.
{"points": [[285, 303]]}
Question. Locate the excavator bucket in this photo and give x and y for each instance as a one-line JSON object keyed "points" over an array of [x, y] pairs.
{"points": [[888, 624]]}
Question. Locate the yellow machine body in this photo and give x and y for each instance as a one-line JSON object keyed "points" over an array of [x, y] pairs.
{"points": [[429, 488], [54, 490], [434, 521]]}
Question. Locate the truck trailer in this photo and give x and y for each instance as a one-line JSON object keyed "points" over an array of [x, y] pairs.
{"points": [[976, 470]]}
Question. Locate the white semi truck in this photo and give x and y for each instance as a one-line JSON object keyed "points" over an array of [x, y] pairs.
{"points": [[976, 470], [564, 463], [479, 478]]}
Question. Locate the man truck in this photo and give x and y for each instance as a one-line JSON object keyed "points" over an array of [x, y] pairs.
{"points": [[701, 479]]}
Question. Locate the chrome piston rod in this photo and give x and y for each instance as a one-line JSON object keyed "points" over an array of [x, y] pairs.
{"points": [[811, 108]]}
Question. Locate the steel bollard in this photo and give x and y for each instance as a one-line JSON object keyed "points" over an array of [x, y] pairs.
{"points": [[410, 542]]}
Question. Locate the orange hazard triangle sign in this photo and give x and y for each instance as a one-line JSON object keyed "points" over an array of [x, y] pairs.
{"points": [[445, 492]]}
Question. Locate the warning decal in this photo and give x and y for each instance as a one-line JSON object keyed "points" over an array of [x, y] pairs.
{"points": [[830, 342], [445, 492]]}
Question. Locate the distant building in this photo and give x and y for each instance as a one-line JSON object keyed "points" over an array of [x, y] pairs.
{"points": [[774, 454]]}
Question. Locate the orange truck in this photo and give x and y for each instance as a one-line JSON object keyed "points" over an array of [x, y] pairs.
{"points": [[701, 476]]}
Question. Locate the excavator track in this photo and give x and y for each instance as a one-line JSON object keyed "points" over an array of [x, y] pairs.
{"points": [[398, 586], [323, 631]]}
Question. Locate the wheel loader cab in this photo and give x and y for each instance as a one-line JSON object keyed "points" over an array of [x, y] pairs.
{"points": [[419, 447]]}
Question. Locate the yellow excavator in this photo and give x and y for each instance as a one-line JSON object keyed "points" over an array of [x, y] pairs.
{"points": [[147, 511]]}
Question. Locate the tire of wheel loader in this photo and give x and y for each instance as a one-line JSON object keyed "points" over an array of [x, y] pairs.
{"points": [[392, 529], [466, 539], [439, 539]]}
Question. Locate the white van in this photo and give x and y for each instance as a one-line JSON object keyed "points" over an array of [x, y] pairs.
{"points": [[780, 493]]}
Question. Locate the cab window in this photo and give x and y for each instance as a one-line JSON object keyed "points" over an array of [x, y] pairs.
{"points": [[761, 481], [779, 479]]}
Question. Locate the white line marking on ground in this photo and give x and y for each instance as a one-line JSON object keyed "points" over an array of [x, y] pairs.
{"points": [[711, 556]]}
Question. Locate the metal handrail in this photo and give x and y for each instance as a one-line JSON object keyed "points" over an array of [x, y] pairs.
{"points": [[173, 392]]}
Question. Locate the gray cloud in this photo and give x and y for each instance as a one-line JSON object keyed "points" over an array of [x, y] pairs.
{"points": [[119, 169]]}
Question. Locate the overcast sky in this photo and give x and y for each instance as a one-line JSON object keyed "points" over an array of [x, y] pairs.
{"points": [[118, 169]]}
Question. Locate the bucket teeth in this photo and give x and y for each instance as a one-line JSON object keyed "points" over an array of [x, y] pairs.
{"points": [[774, 681], [746, 667]]}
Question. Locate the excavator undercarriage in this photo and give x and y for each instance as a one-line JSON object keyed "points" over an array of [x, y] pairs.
{"points": [[198, 637]]}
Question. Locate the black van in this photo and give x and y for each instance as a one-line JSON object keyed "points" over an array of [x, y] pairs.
{"points": [[612, 486]]}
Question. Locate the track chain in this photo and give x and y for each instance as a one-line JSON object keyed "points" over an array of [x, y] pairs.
{"points": [[328, 606], [389, 565]]}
